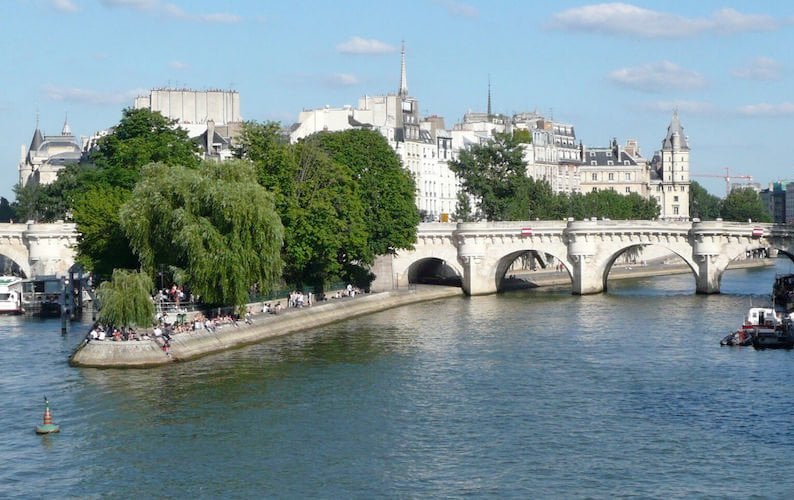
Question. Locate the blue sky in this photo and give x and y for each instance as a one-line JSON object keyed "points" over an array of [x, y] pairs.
{"points": [[610, 69]]}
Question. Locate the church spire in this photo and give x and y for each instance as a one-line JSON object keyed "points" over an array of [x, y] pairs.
{"points": [[403, 92], [489, 96]]}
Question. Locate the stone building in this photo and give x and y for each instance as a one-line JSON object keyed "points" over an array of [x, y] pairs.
{"points": [[210, 117], [669, 173], [424, 146], [47, 155]]}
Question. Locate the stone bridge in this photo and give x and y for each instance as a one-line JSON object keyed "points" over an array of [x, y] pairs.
{"points": [[480, 253], [39, 249]]}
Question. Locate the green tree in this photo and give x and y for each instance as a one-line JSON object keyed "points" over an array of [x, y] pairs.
{"points": [[463, 209], [384, 188], [744, 204], [141, 137], [213, 222], [703, 204], [325, 233], [126, 300], [493, 173], [102, 246]]}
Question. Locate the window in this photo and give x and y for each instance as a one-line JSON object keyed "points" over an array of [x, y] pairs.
{"points": [[610, 162], [594, 163], [594, 176], [669, 188], [611, 176], [628, 189], [595, 189], [675, 198], [628, 176], [675, 209]]}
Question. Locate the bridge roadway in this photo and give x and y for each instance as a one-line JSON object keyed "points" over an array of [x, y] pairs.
{"points": [[480, 253]]}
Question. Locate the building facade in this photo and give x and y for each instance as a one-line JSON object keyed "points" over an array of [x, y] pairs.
{"points": [[424, 146], [210, 117], [47, 155]]}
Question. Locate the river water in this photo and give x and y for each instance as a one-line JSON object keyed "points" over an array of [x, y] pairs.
{"points": [[525, 394]]}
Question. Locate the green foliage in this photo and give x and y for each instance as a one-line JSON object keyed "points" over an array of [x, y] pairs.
{"points": [[214, 222], [385, 189], [493, 173], [142, 137], [522, 136], [744, 204], [103, 246], [126, 300], [6, 212], [327, 233], [463, 209], [325, 228], [702, 204]]}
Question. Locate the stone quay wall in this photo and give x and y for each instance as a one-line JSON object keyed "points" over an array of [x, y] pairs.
{"points": [[194, 344]]}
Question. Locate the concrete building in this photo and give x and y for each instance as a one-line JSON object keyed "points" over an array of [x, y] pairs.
{"points": [[669, 174], [47, 155], [620, 169], [424, 145], [210, 117]]}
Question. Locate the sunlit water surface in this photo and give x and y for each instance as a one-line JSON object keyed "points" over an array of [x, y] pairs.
{"points": [[526, 394]]}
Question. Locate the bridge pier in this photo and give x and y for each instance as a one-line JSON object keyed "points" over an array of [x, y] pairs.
{"points": [[709, 274], [586, 278], [478, 278]]}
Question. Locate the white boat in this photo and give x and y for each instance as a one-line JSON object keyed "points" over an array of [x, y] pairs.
{"points": [[763, 328], [10, 295]]}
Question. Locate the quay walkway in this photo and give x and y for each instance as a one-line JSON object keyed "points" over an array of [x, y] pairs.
{"points": [[197, 343]]}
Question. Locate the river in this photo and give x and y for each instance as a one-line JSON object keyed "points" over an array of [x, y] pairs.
{"points": [[525, 394]]}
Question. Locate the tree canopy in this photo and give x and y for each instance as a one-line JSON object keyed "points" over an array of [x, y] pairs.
{"points": [[385, 189], [494, 173], [142, 137], [703, 204], [126, 299], [214, 222], [744, 204]]}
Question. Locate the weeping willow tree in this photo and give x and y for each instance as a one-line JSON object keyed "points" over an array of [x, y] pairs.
{"points": [[126, 299], [215, 223]]}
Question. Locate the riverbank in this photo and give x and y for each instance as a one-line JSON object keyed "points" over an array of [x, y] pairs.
{"points": [[195, 344]]}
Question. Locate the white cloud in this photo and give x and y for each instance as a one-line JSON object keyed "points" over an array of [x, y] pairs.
{"points": [[342, 80], [767, 110], [178, 65], [688, 107], [459, 9], [64, 5], [358, 45], [158, 7], [761, 68], [85, 96], [631, 20], [657, 77]]}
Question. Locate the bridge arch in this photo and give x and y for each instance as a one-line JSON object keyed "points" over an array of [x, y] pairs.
{"points": [[505, 262], [434, 271], [481, 252], [672, 249]]}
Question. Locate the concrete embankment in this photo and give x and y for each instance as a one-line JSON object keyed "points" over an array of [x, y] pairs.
{"points": [[194, 344]]}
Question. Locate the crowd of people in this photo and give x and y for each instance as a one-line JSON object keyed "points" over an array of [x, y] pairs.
{"points": [[163, 329]]}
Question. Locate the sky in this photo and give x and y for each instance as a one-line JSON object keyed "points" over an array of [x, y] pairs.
{"points": [[612, 70]]}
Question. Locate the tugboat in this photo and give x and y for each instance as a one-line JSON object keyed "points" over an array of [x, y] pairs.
{"points": [[758, 319]]}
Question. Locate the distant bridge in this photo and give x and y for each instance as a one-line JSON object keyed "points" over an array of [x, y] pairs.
{"points": [[480, 253], [39, 249]]}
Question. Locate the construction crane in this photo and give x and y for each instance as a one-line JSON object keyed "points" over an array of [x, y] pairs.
{"points": [[727, 176]]}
